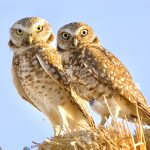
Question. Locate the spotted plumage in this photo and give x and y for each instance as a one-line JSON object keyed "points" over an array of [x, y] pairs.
{"points": [[39, 77], [96, 74]]}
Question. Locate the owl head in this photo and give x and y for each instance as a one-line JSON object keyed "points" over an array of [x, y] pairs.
{"points": [[74, 35], [30, 31]]}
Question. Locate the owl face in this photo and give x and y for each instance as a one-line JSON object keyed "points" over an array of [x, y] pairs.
{"points": [[74, 35], [29, 31]]}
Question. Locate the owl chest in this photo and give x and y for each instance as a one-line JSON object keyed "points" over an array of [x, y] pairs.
{"points": [[79, 73], [31, 73], [27, 66], [80, 79], [39, 86], [86, 84]]}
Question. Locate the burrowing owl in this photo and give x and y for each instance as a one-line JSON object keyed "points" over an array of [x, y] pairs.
{"points": [[38, 74], [97, 75]]}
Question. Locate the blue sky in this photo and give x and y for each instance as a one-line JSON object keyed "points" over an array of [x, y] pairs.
{"points": [[123, 27]]}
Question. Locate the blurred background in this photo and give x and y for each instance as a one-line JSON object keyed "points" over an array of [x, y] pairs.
{"points": [[123, 27]]}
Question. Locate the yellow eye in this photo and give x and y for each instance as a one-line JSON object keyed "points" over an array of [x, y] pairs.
{"points": [[65, 35], [84, 32], [39, 28], [19, 31]]}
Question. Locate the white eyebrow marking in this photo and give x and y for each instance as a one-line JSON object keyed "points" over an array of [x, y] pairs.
{"points": [[73, 33], [28, 29], [67, 31], [19, 26], [78, 30], [41, 22]]}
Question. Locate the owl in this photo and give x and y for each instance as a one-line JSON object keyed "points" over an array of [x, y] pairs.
{"points": [[39, 78], [97, 76]]}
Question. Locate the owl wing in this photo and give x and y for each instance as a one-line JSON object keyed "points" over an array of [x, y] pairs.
{"points": [[117, 62], [51, 63], [19, 87], [108, 69]]}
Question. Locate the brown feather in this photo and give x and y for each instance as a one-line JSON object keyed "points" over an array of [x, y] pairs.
{"points": [[44, 55], [19, 87]]}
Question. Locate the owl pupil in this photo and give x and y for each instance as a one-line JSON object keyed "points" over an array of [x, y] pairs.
{"points": [[65, 35], [19, 31], [38, 28], [84, 32]]}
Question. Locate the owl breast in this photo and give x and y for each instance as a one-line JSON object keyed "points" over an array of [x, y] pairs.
{"points": [[84, 83], [42, 90]]}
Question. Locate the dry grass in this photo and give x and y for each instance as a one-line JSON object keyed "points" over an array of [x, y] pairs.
{"points": [[116, 137]]}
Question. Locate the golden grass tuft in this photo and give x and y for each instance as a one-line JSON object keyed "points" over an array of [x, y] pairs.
{"points": [[116, 137]]}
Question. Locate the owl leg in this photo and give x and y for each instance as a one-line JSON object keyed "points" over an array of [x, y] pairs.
{"points": [[104, 119], [54, 118], [99, 107], [113, 109], [56, 129], [63, 127], [115, 113], [63, 121]]}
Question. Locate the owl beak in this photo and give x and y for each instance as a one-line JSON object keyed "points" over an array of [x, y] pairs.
{"points": [[30, 39], [75, 42]]}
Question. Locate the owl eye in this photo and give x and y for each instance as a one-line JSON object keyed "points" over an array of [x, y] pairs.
{"points": [[65, 35], [84, 32], [19, 31], [39, 28]]}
